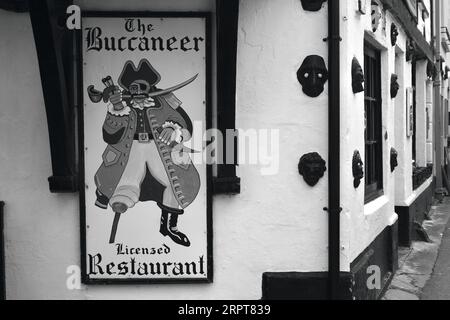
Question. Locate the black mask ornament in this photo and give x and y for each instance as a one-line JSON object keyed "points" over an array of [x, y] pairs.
{"points": [[446, 73], [394, 86], [376, 16], [312, 5], [357, 77], [411, 49], [312, 167], [394, 34], [313, 75], [394, 159], [358, 169], [431, 70]]}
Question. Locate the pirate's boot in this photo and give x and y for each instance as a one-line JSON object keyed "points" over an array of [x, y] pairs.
{"points": [[169, 220]]}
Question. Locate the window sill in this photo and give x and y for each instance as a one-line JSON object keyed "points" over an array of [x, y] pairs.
{"points": [[376, 205], [416, 193], [372, 196]]}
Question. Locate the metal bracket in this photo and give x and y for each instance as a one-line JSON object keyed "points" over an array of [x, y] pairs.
{"points": [[335, 211], [332, 38]]}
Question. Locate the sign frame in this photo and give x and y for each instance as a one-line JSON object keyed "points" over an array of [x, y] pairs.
{"points": [[409, 112], [79, 96]]}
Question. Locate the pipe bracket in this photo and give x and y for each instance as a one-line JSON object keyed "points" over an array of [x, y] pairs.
{"points": [[333, 211], [339, 38]]}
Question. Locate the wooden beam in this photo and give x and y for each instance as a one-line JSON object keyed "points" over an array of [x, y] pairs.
{"points": [[227, 15], [54, 46]]}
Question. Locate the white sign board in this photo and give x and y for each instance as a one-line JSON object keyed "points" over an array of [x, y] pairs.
{"points": [[146, 204]]}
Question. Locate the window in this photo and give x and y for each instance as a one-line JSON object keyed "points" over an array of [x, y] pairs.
{"points": [[373, 125]]}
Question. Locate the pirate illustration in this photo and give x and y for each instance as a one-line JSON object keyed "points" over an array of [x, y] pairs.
{"points": [[145, 128]]}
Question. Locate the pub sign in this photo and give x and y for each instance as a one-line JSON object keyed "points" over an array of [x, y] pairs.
{"points": [[146, 207]]}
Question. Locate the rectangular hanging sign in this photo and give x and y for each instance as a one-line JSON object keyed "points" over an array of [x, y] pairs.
{"points": [[145, 205], [409, 112]]}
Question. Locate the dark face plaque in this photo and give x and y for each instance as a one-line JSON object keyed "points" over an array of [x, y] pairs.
{"points": [[313, 75], [446, 73], [394, 86], [358, 169], [394, 159], [411, 49], [431, 70], [312, 167], [312, 5], [357, 76], [394, 34], [376, 16]]}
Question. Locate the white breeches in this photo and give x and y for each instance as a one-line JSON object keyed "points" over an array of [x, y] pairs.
{"points": [[142, 156]]}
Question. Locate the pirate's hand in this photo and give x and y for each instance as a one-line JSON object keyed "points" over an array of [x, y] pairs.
{"points": [[176, 131], [116, 98], [167, 135]]}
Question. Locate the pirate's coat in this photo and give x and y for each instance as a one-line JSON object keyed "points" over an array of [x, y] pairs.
{"points": [[119, 131]]}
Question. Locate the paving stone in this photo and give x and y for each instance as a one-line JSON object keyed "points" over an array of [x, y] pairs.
{"points": [[419, 271], [395, 294], [404, 285]]}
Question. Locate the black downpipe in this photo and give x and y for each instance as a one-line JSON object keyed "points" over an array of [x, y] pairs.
{"points": [[334, 208]]}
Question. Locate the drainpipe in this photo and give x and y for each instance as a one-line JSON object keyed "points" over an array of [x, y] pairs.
{"points": [[437, 97], [334, 208]]}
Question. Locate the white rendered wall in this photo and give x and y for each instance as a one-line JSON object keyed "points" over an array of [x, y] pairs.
{"points": [[275, 224], [403, 144], [421, 119], [363, 223], [41, 229]]}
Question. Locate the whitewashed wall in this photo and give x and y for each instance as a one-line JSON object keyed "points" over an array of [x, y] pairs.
{"points": [[274, 38], [421, 120], [275, 224], [41, 229], [363, 223]]}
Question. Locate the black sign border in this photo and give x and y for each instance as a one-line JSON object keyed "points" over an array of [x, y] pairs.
{"points": [[85, 279]]}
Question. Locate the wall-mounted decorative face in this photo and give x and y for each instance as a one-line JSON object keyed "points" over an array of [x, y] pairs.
{"points": [[376, 16], [394, 159], [394, 86], [357, 76], [313, 75], [312, 5], [394, 34], [431, 70], [358, 169], [446, 73], [410, 50], [312, 167]]}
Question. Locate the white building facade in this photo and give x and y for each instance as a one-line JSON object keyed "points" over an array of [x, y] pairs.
{"points": [[271, 236]]}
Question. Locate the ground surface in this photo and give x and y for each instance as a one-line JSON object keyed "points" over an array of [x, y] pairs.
{"points": [[438, 287], [424, 269]]}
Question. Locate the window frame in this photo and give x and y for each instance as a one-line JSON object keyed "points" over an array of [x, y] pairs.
{"points": [[373, 162]]}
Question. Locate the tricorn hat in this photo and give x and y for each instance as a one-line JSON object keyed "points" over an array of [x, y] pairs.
{"points": [[144, 71]]}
